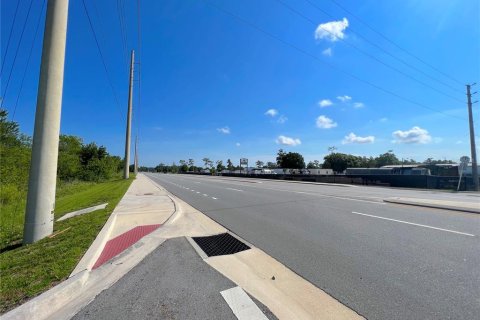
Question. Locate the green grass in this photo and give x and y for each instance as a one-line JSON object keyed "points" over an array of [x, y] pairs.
{"points": [[29, 270]]}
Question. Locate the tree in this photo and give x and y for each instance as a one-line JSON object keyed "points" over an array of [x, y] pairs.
{"points": [[388, 158], [332, 149], [259, 164], [338, 162], [292, 160], [280, 155], [314, 165], [271, 165], [230, 165], [208, 163], [220, 165]]}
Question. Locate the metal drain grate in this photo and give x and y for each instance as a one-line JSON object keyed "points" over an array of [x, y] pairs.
{"points": [[220, 244]]}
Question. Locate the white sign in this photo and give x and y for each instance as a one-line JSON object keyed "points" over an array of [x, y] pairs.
{"points": [[243, 161]]}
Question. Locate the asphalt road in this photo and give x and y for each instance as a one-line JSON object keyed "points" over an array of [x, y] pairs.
{"points": [[384, 261]]}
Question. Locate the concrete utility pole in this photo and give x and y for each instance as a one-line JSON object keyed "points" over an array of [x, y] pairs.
{"points": [[126, 173], [43, 170], [135, 160], [472, 139]]}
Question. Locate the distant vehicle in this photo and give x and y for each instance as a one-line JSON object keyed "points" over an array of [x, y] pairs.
{"points": [[261, 171]]}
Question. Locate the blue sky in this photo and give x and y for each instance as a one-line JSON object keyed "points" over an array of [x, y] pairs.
{"points": [[250, 78]]}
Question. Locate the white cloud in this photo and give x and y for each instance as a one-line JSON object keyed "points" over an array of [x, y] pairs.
{"points": [[414, 135], [344, 98], [332, 31], [383, 120], [271, 112], [353, 138], [237, 144], [287, 141], [325, 103], [325, 123], [327, 52], [358, 105], [282, 119], [224, 130], [459, 142]]}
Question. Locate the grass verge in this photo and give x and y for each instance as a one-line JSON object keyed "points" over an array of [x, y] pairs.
{"points": [[32, 269]]}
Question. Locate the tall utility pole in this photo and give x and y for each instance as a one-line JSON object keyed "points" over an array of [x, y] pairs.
{"points": [[472, 139], [43, 170], [126, 172], [135, 160]]}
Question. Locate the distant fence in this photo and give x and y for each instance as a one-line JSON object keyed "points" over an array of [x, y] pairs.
{"points": [[402, 181]]}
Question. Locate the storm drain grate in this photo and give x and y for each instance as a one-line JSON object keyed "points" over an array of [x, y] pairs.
{"points": [[220, 244]]}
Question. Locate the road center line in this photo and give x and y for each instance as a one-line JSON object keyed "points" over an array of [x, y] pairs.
{"points": [[415, 224]]}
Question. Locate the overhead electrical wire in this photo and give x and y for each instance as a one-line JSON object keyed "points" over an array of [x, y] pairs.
{"points": [[395, 44], [387, 91], [102, 57], [370, 55], [9, 37], [16, 53], [28, 60], [313, 4]]}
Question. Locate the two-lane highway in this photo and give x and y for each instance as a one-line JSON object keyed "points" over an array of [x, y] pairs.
{"points": [[384, 261]]}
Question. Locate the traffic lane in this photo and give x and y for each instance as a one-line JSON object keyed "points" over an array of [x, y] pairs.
{"points": [[369, 192], [365, 264], [257, 193]]}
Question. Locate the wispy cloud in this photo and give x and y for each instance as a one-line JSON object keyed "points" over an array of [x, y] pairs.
{"points": [[325, 103], [327, 52], [344, 98], [324, 122], [237, 144], [358, 105], [353, 138], [332, 31], [271, 112], [383, 120], [224, 130], [287, 141], [415, 135]]}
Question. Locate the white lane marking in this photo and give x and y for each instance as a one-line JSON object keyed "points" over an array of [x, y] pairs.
{"points": [[198, 191], [214, 198], [234, 189], [242, 306], [415, 224], [205, 195]]}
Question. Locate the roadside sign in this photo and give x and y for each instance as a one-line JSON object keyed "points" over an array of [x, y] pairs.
{"points": [[243, 161], [461, 168]]}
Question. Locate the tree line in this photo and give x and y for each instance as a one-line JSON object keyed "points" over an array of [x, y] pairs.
{"points": [[336, 161], [76, 160]]}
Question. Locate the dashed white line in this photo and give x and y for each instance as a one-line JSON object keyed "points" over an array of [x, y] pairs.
{"points": [[205, 195], [415, 224], [198, 191], [234, 189], [214, 198]]}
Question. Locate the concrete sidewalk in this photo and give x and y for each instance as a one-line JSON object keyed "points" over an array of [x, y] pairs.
{"points": [[471, 207], [131, 243]]}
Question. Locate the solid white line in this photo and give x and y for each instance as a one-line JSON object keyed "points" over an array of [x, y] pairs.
{"points": [[234, 189], [242, 306], [415, 224]]}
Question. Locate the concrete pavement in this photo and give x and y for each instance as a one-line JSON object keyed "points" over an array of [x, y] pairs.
{"points": [[131, 261], [384, 261]]}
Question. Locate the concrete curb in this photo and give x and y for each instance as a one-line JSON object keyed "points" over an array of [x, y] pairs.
{"points": [[432, 205]]}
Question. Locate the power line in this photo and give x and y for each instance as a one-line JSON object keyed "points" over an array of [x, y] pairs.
{"points": [[395, 44], [123, 31], [28, 60], [16, 53], [255, 27], [9, 37], [370, 55], [387, 52], [101, 56]]}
